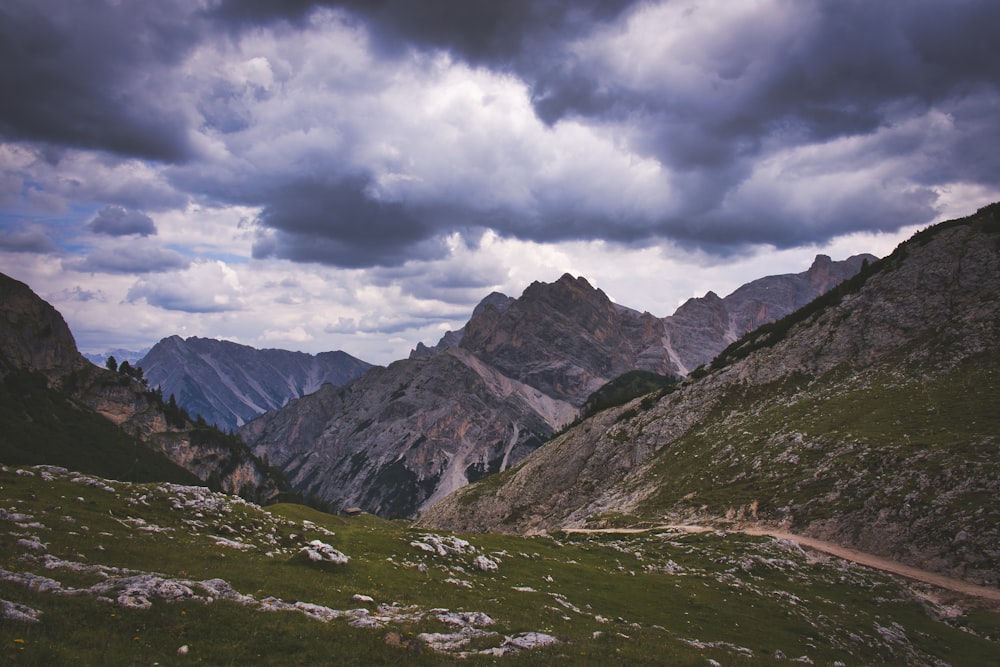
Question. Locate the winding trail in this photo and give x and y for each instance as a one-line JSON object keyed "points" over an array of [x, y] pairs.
{"points": [[859, 557]]}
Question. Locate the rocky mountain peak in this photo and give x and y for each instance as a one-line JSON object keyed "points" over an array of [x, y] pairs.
{"points": [[564, 338], [494, 300], [33, 335]]}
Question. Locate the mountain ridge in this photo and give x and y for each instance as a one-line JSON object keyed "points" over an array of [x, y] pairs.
{"points": [[556, 344], [229, 384]]}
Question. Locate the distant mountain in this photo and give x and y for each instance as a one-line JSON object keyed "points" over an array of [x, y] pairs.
{"points": [[868, 417], [484, 397], [230, 384], [120, 354], [703, 327], [57, 408]]}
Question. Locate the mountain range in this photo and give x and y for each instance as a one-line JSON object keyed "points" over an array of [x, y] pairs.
{"points": [[865, 419], [229, 384], [400, 438], [868, 418]]}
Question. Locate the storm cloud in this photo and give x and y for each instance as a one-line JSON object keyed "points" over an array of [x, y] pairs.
{"points": [[412, 139], [117, 221]]}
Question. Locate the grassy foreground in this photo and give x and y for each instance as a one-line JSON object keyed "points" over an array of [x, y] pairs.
{"points": [[99, 572]]}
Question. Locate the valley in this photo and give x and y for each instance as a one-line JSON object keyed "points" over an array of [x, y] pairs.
{"points": [[549, 484]]}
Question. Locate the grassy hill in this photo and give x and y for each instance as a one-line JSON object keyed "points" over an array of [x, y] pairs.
{"points": [[113, 573]]}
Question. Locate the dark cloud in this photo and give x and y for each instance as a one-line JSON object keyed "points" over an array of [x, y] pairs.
{"points": [[134, 258], [95, 75], [340, 222], [482, 32], [759, 120], [27, 240], [118, 221]]}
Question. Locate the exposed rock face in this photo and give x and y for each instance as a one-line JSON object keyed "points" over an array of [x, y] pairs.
{"points": [[566, 339], [701, 328], [34, 338], [230, 384], [869, 419], [404, 435], [33, 335], [452, 338]]}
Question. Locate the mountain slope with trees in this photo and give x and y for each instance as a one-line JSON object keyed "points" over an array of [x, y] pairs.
{"points": [[57, 408]]}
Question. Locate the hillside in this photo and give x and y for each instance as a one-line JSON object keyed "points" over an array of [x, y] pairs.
{"points": [[229, 384], [868, 417], [57, 408], [103, 572]]}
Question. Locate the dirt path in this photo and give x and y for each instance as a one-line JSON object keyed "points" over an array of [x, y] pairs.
{"points": [[859, 557]]}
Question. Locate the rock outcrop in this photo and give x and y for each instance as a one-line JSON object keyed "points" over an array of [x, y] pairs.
{"points": [[229, 384], [33, 335]]}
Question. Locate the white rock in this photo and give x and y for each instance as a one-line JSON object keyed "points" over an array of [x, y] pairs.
{"points": [[321, 552], [484, 564], [530, 640], [15, 611]]}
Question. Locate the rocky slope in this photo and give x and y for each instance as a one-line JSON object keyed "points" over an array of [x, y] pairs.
{"points": [[41, 367], [230, 384], [517, 372], [407, 434], [33, 335], [868, 418], [701, 328]]}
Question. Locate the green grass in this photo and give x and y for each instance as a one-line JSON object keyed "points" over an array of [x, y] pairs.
{"points": [[656, 598], [826, 446]]}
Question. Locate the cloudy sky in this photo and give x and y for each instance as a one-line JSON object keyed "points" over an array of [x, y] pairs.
{"points": [[357, 175]]}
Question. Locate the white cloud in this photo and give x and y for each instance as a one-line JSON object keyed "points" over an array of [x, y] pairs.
{"points": [[205, 287]]}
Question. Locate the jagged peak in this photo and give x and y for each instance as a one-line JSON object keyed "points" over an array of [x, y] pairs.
{"points": [[821, 262]]}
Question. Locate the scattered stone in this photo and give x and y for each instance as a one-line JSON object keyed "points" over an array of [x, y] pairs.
{"points": [[447, 642], [462, 618], [443, 545], [183, 650], [15, 611], [32, 542], [363, 599], [231, 544]]}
